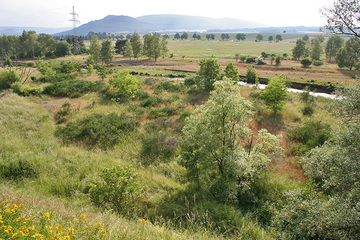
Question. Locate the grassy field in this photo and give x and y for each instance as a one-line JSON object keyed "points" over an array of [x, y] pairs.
{"points": [[226, 49]]}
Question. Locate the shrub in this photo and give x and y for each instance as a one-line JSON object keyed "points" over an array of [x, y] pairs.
{"points": [[56, 78], [73, 88], [103, 131], [250, 60], [24, 90], [189, 81], [117, 189], [168, 86], [308, 110], [151, 101], [123, 85], [317, 63], [163, 112], [306, 62], [8, 77], [311, 135]]}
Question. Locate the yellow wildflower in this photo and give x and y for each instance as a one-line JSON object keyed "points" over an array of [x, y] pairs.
{"points": [[103, 231], [82, 217], [98, 225]]}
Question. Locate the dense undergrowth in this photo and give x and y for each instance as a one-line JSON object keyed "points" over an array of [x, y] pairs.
{"points": [[120, 159]]}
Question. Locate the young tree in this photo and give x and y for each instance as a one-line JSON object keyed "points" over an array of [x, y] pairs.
{"points": [[95, 48], [316, 49], [120, 45], [106, 52], [299, 49], [240, 36], [259, 37], [270, 38], [128, 50], [47, 44], [62, 49], [333, 44], [136, 45], [347, 56], [232, 72], [251, 75], [164, 47], [275, 93], [123, 85], [152, 46], [211, 152], [209, 72], [278, 38]]}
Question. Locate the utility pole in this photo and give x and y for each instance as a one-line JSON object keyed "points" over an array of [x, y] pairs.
{"points": [[75, 21]]}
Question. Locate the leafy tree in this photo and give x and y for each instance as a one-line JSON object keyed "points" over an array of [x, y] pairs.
{"points": [[152, 46], [185, 36], [164, 47], [128, 50], [47, 44], [347, 56], [251, 75], [123, 84], [270, 38], [210, 36], [136, 45], [120, 45], [305, 38], [343, 17], [62, 49], [333, 44], [210, 71], [316, 49], [259, 37], [224, 36], [299, 49], [177, 36], [211, 152], [232, 72], [278, 38], [277, 60], [240, 36], [95, 48], [275, 93], [106, 52]]}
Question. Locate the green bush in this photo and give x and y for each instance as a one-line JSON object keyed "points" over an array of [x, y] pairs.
{"points": [[306, 62], [73, 88], [103, 131], [117, 189], [317, 63], [163, 112], [311, 135], [17, 169], [7, 78], [168, 86], [25, 90], [308, 110], [151, 101], [56, 78]]}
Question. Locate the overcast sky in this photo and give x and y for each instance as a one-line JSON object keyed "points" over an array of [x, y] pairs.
{"points": [[47, 13]]}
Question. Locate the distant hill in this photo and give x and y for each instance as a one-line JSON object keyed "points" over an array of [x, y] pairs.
{"points": [[7, 30], [159, 23]]}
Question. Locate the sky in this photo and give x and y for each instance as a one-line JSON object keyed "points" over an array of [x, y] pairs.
{"points": [[54, 14]]}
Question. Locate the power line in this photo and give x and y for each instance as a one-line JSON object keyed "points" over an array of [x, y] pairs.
{"points": [[75, 21]]}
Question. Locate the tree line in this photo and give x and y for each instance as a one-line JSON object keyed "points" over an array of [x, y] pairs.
{"points": [[344, 52]]}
